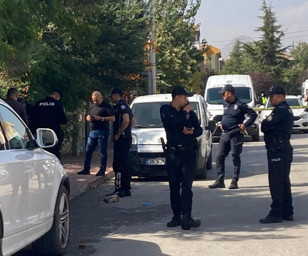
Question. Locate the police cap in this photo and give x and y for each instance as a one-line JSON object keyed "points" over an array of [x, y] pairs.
{"points": [[116, 91], [276, 89], [227, 88], [179, 90]]}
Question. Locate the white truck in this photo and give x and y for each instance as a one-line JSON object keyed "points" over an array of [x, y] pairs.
{"points": [[243, 90]]}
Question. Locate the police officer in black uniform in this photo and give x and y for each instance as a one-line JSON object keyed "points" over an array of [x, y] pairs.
{"points": [[182, 127], [277, 128], [122, 126], [49, 113], [233, 127]]}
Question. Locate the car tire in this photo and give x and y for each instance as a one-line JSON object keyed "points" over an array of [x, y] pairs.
{"points": [[255, 137], [54, 242], [209, 161]]}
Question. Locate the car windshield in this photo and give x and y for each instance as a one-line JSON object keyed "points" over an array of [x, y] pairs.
{"points": [[290, 101], [242, 93], [147, 114]]}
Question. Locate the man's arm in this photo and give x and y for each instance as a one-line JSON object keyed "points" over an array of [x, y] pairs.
{"points": [[252, 116], [125, 118], [271, 121], [169, 120]]}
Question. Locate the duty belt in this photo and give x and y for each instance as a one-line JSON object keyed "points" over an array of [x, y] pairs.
{"points": [[231, 131]]}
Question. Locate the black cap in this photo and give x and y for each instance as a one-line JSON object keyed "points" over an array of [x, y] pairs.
{"points": [[227, 88], [179, 90], [276, 89], [116, 91]]}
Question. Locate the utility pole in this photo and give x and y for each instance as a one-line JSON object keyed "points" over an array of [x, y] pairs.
{"points": [[152, 71]]}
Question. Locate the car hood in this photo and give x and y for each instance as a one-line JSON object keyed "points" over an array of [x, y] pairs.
{"points": [[149, 136], [296, 112]]}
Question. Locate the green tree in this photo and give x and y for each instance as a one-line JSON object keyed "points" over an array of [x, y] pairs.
{"points": [[234, 64], [176, 58]]}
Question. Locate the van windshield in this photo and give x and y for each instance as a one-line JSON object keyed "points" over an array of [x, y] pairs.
{"points": [[147, 114], [242, 93]]}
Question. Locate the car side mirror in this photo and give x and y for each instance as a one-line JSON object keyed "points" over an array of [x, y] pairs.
{"points": [[46, 138], [211, 125]]}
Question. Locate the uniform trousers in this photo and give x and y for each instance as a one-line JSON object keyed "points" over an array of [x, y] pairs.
{"points": [[181, 168], [121, 149], [229, 142], [279, 164]]}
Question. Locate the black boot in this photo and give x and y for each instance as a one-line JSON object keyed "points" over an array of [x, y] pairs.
{"points": [[84, 172], [101, 172], [174, 222], [217, 184], [270, 219], [188, 222], [233, 185]]}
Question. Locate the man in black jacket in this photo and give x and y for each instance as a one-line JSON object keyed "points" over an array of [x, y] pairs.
{"points": [[277, 128], [231, 139], [11, 99], [49, 113], [182, 128]]}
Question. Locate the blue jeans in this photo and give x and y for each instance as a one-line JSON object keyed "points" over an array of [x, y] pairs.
{"points": [[99, 137]]}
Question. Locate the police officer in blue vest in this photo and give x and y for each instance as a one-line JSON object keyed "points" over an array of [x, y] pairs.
{"points": [[182, 127], [277, 128], [231, 139]]}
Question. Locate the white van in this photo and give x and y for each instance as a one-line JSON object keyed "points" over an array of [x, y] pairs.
{"points": [[243, 90], [146, 156]]}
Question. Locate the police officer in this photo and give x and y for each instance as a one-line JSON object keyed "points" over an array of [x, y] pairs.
{"points": [[99, 115], [182, 127], [12, 100], [122, 136], [277, 128], [49, 113], [233, 127]]}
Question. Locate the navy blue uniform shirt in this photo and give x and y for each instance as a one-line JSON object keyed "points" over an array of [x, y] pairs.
{"points": [[174, 122], [278, 124], [102, 110], [49, 113], [120, 109], [234, 114]]}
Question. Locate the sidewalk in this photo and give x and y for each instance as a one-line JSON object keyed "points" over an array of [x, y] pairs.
{"points": [[82, 183]]}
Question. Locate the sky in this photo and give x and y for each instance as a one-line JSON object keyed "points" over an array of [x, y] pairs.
{"points": [[221, 21]]}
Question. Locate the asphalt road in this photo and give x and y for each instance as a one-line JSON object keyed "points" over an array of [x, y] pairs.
{"points": [[137, 225]]}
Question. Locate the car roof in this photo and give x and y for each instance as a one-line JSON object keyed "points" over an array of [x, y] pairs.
{"points": [[162, 98]]}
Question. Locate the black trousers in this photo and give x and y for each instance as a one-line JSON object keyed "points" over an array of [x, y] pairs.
{"points": [[121, 149], [229, 142], [181, 168], [279, 164]]}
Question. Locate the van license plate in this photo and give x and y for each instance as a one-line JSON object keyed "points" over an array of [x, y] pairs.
{"points": [[155, 161]]}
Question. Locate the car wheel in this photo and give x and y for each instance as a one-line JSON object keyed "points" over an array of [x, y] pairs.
{"points": [[255, 137], [54, 242], [209, 161]]}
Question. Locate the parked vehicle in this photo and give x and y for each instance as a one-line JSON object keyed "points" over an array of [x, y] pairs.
{"points": [[243, 90], [304, 91], [34, 189], [300, 115], [147, 156]]}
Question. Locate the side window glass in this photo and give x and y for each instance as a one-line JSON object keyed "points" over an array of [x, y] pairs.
{"points": [[14, 130]]}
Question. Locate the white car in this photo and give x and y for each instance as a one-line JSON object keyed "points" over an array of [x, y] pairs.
{"points": [[300, 114], [147, 157], [34, 189]]}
